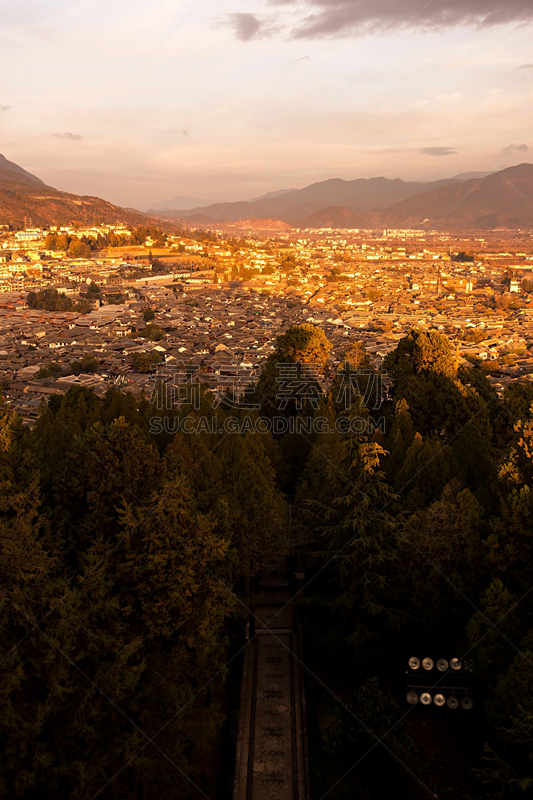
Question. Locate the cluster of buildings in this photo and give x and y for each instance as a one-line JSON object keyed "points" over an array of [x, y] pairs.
{"points": [[220, 302]]}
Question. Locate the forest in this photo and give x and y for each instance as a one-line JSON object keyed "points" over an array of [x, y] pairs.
{"points": [[129, 562]]}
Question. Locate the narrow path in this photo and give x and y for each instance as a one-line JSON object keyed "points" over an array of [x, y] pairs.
{"points": [[271, 747]]}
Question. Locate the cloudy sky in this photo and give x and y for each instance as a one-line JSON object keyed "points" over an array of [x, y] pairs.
{"points": [[225, 99]]}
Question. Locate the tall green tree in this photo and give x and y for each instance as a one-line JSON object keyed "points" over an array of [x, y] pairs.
{"points": [[299, 360], [358, 546]]}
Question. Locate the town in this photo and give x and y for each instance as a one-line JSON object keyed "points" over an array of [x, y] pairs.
{"points": [[112, 305]]}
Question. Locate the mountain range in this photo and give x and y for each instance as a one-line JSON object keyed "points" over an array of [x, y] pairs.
{"points": [[464, 202], [358, 195], [468, 201]]}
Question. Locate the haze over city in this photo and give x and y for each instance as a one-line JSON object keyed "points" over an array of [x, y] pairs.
{"points": [[223, 101]]}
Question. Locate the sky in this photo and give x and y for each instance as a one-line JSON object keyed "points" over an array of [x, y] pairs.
{"points": [[138, 102]]}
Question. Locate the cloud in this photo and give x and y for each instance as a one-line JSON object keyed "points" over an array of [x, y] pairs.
{"points": [[512, 147], [323, 18], [303, 58], [5, 108], [525, 66], [246, 26], [185, 133], [438, 151], [73, 137]]}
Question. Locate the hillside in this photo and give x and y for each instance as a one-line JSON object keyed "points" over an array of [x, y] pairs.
{"points": [[261, 225], [23, 195]]}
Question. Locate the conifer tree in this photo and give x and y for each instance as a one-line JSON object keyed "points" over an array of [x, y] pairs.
{"points": [[359, 541]]}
